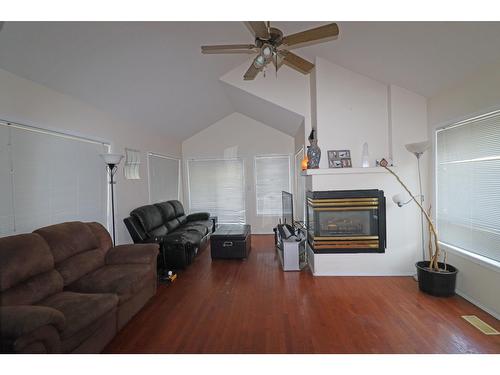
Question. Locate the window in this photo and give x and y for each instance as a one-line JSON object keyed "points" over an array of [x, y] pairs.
{"points": [[164, 178], [217, 186], [272, 176], [48, 178], [468, 185]]}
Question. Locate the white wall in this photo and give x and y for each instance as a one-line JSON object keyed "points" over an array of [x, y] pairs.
{"points": [[476, 281], [28, 103], [407, 114], [350, 109], [403, 241], [288, 89], [240, 136]]}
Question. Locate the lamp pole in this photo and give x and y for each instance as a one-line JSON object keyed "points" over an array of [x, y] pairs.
{"points": [[112, 161], [112, 170], [418, 155]]}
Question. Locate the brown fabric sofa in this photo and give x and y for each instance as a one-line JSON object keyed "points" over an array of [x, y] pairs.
{"points": [[65, 289]]}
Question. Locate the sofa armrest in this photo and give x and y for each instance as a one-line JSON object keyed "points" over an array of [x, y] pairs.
{"points": [[133, 254], [30, 329], [198, 216]]}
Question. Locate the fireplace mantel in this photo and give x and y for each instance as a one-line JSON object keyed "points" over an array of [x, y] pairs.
{"points": [[337, 171]]}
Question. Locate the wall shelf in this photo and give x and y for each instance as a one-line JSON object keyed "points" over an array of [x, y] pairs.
{"points": [[337, 171]]}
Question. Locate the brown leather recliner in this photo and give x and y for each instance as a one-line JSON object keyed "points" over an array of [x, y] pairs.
{"points": [[65, 289]]}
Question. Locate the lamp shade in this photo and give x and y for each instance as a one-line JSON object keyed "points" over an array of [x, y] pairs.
{"points": [[112, 158], [398, 199], [418, 148]]}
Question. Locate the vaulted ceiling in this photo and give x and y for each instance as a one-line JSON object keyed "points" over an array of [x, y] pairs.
{"points": [[153, 74]]}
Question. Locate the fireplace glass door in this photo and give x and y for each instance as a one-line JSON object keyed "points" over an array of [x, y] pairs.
{"points": [[346, 223]]}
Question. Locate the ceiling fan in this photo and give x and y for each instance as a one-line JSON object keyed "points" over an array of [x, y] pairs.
{"points": [[271, 46]]}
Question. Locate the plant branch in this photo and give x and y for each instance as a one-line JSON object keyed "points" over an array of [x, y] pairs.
{"points": [[433, 264]]}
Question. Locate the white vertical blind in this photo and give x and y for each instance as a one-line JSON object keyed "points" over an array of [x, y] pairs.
{"points": [[6, 203], [55, 178], [468, 185], [217, 187], [300, 187], [272, 176], [164, 177]]}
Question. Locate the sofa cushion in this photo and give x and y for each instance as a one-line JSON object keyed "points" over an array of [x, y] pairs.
{"points": [[102, 234], [75, 267], [133, 254], [198, 226], [68, 239], [76, 249], [149, 216], [206, 223], [182, 219], [184, 236], [122, 279], [33, 290], [22, 257], [179, 209], [80, 310], [167, 211], [172, 225], [21, 320]]}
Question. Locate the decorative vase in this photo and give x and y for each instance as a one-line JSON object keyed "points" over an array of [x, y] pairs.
{"points": [[365, 156], [313, 152]]}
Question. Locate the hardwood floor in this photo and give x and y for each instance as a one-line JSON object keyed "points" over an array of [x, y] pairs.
{"points": [[251, 306]]}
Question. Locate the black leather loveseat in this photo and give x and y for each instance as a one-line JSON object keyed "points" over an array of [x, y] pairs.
{"points": [[179, 236]]}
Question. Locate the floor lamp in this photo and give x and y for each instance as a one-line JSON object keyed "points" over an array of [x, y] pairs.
{"points": [[418, 150], [112, 161]]}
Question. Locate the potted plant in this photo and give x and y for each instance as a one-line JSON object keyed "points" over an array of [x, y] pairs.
{"points": [[434, 277]]}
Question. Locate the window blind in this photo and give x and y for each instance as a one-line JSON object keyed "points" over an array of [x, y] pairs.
{"points": [[6, 187], [164, 177], [468, 185], [53, 178], [272, 176], [217, 187]]}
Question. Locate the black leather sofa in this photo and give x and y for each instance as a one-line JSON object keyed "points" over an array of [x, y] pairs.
{"points": [[165, 223]]}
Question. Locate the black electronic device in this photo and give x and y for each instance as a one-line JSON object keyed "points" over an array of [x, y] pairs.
{"points": [[287, 208]]}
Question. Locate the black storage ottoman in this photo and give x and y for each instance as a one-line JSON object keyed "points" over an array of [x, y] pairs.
{"points": [[230, 241]]}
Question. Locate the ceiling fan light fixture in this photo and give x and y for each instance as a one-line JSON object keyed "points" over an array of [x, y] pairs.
{"points": [[267, 52], [259, 62]]}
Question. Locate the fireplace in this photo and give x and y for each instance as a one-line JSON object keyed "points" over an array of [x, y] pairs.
{"points": [[346, 221]]}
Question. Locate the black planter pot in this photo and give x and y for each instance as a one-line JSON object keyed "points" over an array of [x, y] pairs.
{"points": [[440, 284]]}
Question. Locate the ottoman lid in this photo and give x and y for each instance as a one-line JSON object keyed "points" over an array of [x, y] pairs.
{"points": [[231, 231]]}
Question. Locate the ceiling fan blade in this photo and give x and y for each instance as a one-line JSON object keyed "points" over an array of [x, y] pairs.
{"points": [[258, 29], [312, 36], [296, 62], [251, 73], [229, 48]]}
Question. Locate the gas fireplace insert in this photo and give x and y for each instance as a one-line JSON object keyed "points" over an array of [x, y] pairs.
{"points": [[346, 221]]}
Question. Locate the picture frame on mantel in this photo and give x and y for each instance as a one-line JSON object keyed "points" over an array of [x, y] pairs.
{"points": [[339, 159]]}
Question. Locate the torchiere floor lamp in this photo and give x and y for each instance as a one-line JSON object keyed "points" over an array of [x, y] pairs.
{"points": [[112, 161]]}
